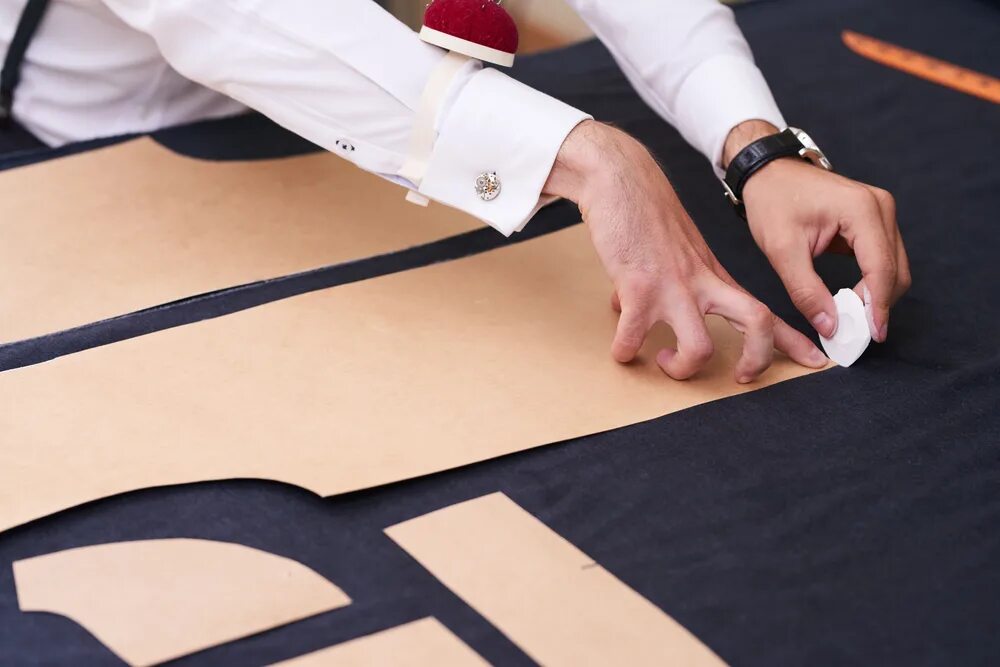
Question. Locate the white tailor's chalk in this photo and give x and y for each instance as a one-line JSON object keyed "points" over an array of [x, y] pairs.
{"points": [[853, 334]]}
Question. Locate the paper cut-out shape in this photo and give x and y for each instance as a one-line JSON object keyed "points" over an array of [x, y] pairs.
{"points": [[351, 387], [155, 600], [546, 595], [135, 225], [417, 644]]}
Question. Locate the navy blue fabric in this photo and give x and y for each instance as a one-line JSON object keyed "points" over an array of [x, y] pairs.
{"points": [[843, 518], [15, 139], [244, 137]]}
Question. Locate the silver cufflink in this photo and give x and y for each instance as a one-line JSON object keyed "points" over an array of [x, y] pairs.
{"points": [[488, 185]]}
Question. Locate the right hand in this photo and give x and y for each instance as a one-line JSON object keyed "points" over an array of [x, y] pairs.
{"points": [[660, 265]]}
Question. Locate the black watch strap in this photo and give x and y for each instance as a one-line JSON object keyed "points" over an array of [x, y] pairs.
{"points": [[749, 160]]}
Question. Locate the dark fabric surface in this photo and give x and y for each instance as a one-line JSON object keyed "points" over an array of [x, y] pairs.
{"points": [[847, 517], [14, 139]]}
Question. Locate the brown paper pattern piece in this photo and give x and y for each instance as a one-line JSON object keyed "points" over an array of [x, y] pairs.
{"points": [[546, 595], [418, 644], [351, 387], [135, 225], [155, 600]]}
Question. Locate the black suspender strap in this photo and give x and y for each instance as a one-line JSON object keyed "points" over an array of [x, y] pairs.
{"points": [[11, 72]]}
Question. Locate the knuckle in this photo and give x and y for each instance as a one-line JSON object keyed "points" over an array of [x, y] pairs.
{"points": [[861, 202], [780, 245], [904, 266], [805, 299], [865, 207], [904, 279], [700, 350], [760, 317], [852, 190], [867, 203], [861, 190], [885, 198]]}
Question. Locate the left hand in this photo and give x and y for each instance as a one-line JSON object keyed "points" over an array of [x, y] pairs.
{"points": [[661, 268], [797, 211]]}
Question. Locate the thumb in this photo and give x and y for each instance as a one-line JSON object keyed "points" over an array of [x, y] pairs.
{"points": [[807, 290]]}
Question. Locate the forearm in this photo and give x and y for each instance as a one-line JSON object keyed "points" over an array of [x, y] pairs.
{"points": [[594, 160], [351, 78], [577, 163], [689, 61], [295, 62]]}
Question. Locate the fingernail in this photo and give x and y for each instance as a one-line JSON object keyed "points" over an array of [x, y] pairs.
{"points": [[818, 357], [744, 379], [883, 332], [824, 324]]}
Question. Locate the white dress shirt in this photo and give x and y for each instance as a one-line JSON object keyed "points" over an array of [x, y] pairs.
{"points": [[348, 76]]}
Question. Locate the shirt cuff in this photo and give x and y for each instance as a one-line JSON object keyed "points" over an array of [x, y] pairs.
{"points": [[717, 96], [497, 124]]}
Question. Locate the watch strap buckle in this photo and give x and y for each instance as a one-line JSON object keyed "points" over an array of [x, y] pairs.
{"points": [[728, 192], [816, 157]]}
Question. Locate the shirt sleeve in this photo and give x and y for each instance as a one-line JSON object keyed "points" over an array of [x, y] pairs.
{"points": [[689, 61], [348, 76]]}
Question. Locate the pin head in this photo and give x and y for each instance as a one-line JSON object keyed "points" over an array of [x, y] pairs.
{"points": [[480, 29]]}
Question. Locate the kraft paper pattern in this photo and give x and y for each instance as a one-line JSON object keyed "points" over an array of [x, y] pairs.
{"points": [[135, 225], [350, 387], [155, 600], [417, 644], [546, 595]]}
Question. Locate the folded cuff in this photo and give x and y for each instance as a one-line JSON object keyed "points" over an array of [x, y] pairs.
{"points": [[717, 96], [498, 125]]}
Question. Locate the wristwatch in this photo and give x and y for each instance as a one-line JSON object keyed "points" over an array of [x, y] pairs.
{"points": [[792, 142]]}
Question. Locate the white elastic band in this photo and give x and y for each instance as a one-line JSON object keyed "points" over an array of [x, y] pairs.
{"points": [[471, 49], [423, 135]]}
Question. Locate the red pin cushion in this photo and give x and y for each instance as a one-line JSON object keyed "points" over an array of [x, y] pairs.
{"points": [[480, 29]]}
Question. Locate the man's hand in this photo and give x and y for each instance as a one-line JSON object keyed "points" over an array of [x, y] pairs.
{"points": [[797, 211], [660, 265]]}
